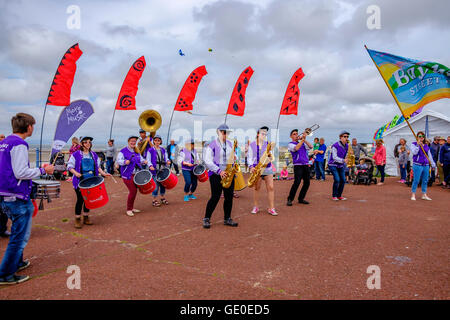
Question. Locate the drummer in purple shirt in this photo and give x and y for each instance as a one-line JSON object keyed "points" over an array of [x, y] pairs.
{"points": [[15, 191], [157, 160], [83, 164], [188, 158]]}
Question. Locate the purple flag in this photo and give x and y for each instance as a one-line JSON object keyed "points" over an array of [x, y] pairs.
{"points": [[70, 119]]}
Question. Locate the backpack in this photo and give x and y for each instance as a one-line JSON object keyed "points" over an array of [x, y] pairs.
{"points": [[396, 150]]}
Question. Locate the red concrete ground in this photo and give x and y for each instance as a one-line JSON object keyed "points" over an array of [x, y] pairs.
{"points": [[316, 251]]}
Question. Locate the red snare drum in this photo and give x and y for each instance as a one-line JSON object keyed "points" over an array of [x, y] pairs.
{"points": [[94, 192], [167, 178], [144, 180], [201, 172]]}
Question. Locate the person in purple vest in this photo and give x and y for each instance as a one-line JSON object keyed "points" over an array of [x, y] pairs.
{"points": [[216, 158], [83, 164], [157, 160], [421, 165], [255, 151], [188, 157], [130, 162], [299, 150], [15, 192], [337, 164]]}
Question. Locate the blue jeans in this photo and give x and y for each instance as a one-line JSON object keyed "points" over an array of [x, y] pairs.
{"points": [[420, 172], [110, 165], [160, 188], [339, 180], [319, 167], [190, 181], [403, 171], [20, 212]]}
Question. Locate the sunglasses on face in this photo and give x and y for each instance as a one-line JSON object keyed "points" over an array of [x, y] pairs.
{"points": [[345, 136], [421, 136]]}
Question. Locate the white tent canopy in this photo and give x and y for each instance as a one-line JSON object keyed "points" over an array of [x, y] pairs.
{"points": [[438, 125]]}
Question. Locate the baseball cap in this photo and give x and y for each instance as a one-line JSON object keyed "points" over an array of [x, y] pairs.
{"points": [[223, 127], [343, 132]]}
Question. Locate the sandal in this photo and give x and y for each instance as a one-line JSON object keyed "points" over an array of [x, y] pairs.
{"points": [[156, 203], [164, 201]]}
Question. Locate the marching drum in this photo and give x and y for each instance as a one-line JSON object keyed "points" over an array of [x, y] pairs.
{"points": [[201, 172], [166, 178], [94, 192], [45, 190], [144, 180]]}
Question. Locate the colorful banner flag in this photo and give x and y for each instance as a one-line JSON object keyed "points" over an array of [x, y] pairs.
{"points": [[413, 83], [395, 122], [292, 95], [127, 95], [189, 90], [61, 87], [236, 106], [70, 119]]}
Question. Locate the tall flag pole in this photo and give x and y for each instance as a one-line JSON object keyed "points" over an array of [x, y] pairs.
{"points": [[187, 94], [236, 106], [127, 96], [412, 83], [291, 97], [60, 89]]}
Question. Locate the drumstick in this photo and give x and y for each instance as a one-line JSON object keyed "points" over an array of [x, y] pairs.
{"points": [[113, 179], [54, 160]]}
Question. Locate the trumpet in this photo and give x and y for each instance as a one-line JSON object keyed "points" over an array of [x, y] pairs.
{"points": [[309, 131]]}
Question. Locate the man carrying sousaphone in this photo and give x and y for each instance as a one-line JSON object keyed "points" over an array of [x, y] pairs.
{"points": [[130, 161], [220, 156], [256, 154], [188, 158], [144, 143]]}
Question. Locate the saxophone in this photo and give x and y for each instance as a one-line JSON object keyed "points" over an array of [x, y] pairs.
{"points": [[350, 155], [231, 169], [259, 167]]}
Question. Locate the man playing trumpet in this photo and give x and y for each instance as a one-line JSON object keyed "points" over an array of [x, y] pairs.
{"points": [[299, 149], [257, 153]]}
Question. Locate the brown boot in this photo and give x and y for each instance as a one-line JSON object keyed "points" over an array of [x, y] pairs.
{"points": [[87, 221], [78, 223]]}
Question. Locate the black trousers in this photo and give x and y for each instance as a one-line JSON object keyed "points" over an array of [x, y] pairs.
{"points": [[80, 203], [216, 191], [300, 173]]}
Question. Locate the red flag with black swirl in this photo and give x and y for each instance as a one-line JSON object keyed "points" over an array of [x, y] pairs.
{"points": [[291, 97], [127, 95], [189, 90], [61, 87], [237, 102]]}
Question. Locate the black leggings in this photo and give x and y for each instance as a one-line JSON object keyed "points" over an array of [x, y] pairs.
{"points": [[80, 203], [216, 191], [301, 172]]}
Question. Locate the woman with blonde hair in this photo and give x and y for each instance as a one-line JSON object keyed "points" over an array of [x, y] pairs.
{"points": [[380, 159]]}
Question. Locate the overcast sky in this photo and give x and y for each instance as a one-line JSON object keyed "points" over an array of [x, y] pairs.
{"points": [[341, 89]]}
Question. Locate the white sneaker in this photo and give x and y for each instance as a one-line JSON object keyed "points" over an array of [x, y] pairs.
{"points": [[272, 212], [130, 213], [255, 210], [425, 197], [413, 197], [136, 210]]}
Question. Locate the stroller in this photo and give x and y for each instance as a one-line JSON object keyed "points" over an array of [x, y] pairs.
{"points": [[60, 167], [366, 176]]}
